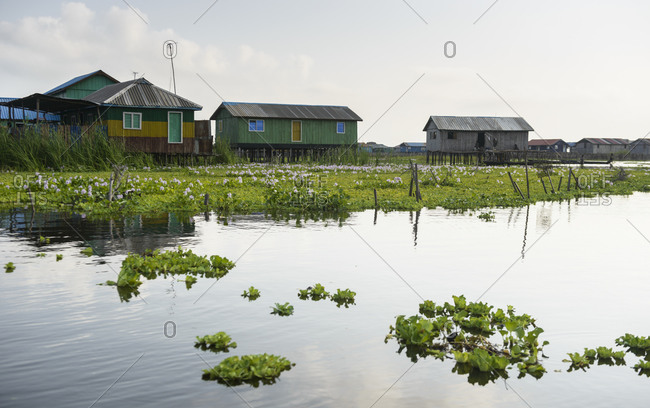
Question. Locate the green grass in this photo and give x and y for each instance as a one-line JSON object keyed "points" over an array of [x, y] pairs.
{"points": [[301, 189], [34, 151]]}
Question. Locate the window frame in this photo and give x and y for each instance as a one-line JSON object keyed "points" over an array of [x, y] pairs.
{"points": [[257, 122], [132, 114], [220, 126], [337, 128], [451, 135]]}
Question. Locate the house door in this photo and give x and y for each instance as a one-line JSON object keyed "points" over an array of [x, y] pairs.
{"points": [[480, 142], [296, 131], [175, 127]]}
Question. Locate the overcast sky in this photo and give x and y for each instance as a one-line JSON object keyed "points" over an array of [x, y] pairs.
{"points": [[572, 69]]}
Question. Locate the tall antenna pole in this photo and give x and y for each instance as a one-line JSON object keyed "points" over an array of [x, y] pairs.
{"points": [[169, 50]]}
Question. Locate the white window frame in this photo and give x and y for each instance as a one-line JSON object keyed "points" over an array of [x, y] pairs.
{"points": [[256, 120], [337, 128], [124, 120], [169, 113]]}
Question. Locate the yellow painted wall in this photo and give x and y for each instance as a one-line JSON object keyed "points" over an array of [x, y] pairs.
{"points": [[149, 129]]}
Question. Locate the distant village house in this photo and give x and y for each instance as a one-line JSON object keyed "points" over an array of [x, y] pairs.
{"points": [[471, 133]]}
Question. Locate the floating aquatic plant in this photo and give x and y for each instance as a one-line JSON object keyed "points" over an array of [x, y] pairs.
{"points": [[43, 241], [40, 255], [189, 281], [282, 310], [316, 292], [10, 267], [88, 251], [248, 369], [464, 331], [643, 368], [219, 342], [156, 263], [487, 216], [251, 294], [344, 297], [638, 345], [59, 257]]}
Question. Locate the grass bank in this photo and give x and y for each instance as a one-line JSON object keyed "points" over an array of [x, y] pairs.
{"points": [[246, 188]]}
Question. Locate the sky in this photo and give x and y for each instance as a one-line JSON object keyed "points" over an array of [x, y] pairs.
{"points": [[572, 69]]}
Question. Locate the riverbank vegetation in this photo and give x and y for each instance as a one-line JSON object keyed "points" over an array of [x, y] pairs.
{"points": [[304, 189]]}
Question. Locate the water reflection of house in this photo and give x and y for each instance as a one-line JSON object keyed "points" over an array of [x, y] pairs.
{"points": [[129, 234]]}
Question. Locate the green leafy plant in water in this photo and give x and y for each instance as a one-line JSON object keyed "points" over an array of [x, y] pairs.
{"points": [[169, 263], [251, 294], [643, 368], [219, 342], [638, 345], [59, 257], [464, 331], [343, 297], [87, 251], [248, 369], [189, 281], [282, 310], [487, 216], [10, 267], [43, 241], [41, 255], [316, 292]]}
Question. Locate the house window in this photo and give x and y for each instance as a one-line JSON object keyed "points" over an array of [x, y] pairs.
{"points": [[132, 120], [340, 127], [451, 135], [255, 125], [220, 125], [432, 135]]}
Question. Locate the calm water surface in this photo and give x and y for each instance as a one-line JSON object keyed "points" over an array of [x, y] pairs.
{"points": [[67, 342]]}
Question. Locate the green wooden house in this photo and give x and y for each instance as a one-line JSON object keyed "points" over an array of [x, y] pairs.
{"points": [[83, 85], [285, 128]]}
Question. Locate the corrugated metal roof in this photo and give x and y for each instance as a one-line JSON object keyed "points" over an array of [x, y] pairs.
{"points": [[284, 111], [413, 144], [641, 141], [605, 141], [17, 113], [479, 124], [140, 93], [544, 142], [78, 79]]}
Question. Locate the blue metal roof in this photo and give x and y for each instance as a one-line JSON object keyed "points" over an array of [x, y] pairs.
{"points": [[77, 79], [17, 113]]}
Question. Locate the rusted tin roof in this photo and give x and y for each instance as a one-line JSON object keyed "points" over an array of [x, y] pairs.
{"points": [[606, 141], [479, 124], [140, 93], [284, 111]]}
